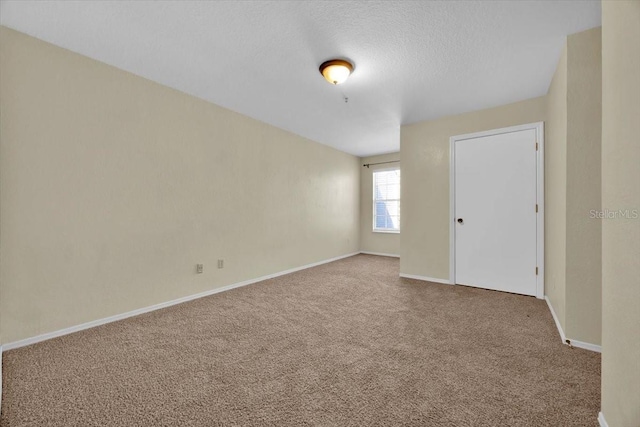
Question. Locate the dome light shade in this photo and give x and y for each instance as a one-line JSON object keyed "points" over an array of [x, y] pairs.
{"points": [[336, 71]]}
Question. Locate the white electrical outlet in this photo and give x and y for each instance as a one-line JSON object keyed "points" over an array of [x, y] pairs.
{"points": [[199, 268], [220, 263]]}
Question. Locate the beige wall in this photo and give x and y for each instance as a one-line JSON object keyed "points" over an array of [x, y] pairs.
{"points": [[621, 190], [573, 189], [555, 186], [383, 243], [584, 232], [424, 155], [113, 188]]}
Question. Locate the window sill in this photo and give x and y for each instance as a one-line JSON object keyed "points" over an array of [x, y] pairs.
{"points": [[386, 231]]}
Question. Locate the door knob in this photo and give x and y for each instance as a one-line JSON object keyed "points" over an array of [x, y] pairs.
{"points": [[460, 221]]}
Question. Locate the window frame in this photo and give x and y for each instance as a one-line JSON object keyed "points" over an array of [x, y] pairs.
{"points": [[374, 200]]}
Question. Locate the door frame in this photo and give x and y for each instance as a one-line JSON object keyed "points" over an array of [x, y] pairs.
{"points": [[539, 128]]}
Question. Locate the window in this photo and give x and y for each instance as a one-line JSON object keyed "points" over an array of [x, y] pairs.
{"points": [[386, 200]]}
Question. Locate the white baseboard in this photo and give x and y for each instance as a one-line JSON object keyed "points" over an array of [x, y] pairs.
{"points": [[94, 323], [586, 345], [601, 420], [424, 278], [569, 341], [563, 337], [380, 254]]}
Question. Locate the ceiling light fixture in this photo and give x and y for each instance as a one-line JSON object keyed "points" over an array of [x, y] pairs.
{"points": [[336, 71]]}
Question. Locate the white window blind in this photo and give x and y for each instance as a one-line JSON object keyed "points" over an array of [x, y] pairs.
{"points": [[386, 200]]}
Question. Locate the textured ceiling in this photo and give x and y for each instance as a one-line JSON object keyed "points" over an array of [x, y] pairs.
{"points": [[414, 60]]}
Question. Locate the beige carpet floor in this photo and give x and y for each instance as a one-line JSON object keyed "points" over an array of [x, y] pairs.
{"points": [[344, 344]]}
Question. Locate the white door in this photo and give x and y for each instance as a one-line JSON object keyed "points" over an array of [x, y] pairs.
{"points": [[495, 227]]}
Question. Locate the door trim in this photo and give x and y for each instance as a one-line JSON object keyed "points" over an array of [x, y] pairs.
{"points": [[539, 128]]}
